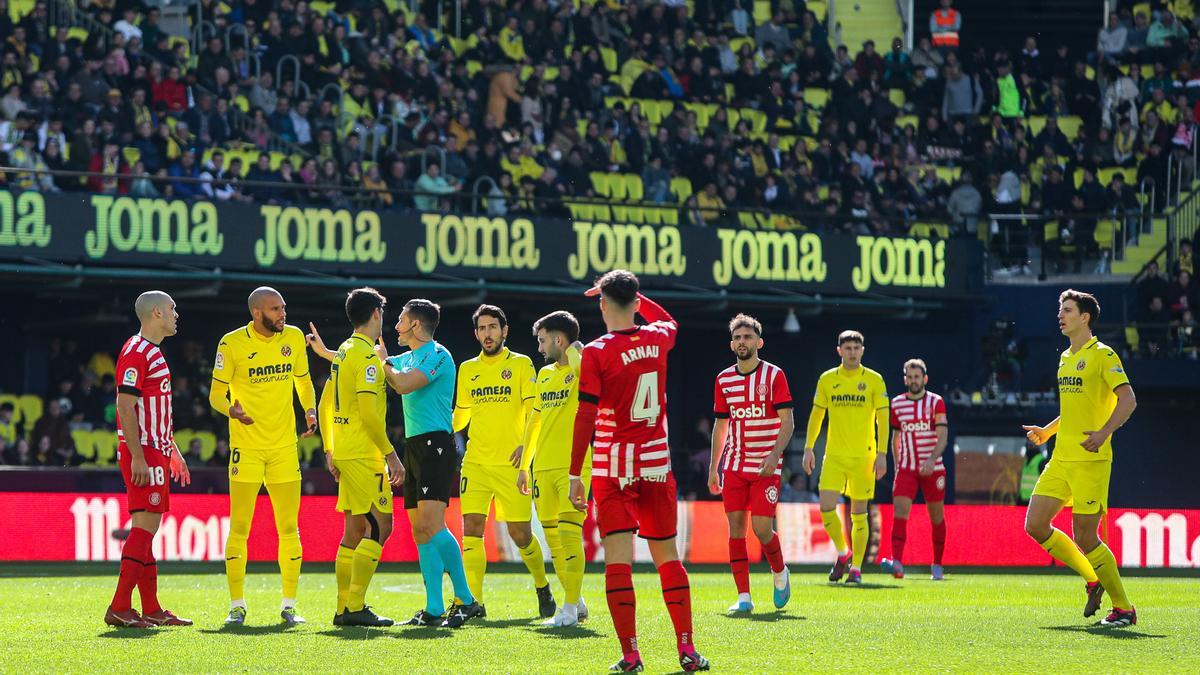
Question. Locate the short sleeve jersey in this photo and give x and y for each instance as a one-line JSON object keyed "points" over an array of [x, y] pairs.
{"points": [[1087, 383], [494, 390], [142, 372], [751, 402], [260, 373], [356, 370], [428, 409], [851, 397]]}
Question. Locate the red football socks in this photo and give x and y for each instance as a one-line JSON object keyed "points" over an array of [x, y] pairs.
{"points": [[939, 541], [677, 593], [622, 604], [739, 562], [133, 561], [899, 536], [774, 554], [148, 581]]}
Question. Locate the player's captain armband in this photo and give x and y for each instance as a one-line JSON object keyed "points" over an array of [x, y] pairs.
{"points": [[219, 364], [370, 374], [130, 377]]}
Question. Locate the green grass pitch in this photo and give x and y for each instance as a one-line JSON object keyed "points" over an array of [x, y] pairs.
{"points": [[51, 620]]}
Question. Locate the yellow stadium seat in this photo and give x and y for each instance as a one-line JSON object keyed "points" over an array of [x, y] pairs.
{"points": [[132, 155], [600, 183], [736, 43], [31, 409], [906, 121], [1132, 338], [1069, 125], [208, 444], [1106, 230], [815, 97], [762, 11], [105, 444], [1105, 176], [747, 220], [948, 174], [601, 213], [183, 438], [609, 56], [618, 194], [1147, 72], [757, 119], [309, 445], [634, 193], [580, 211], [681, 187], [473, 67], [83, 443], [819, 8], [897, 97], [669, 215]]}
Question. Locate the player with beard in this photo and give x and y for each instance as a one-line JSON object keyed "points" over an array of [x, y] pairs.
{"points": [[257, 367], [753, 408]]}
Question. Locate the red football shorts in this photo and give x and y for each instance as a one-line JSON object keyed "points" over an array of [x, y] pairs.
{"points": [[643, 505], [742, 491], [154, 496], [932, 486]]}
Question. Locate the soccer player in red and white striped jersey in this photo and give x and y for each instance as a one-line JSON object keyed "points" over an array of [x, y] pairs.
{"points": [[623, 403], [919, 418], [753, 409], [148, 457]]}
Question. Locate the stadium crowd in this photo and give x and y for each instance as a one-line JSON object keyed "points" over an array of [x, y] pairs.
{"points": [[708, 107]]}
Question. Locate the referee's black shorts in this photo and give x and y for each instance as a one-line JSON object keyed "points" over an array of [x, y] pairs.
{"points": [[430, 462]]}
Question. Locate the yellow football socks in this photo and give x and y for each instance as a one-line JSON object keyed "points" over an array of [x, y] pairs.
{"points": [[343, 569], [859, 535], [833, 527], [242, 497], [570, 532], [366, 559], [1105, 565], [285, 503], [554, 541], [475, 564], [1060, 546], [535, 562]]}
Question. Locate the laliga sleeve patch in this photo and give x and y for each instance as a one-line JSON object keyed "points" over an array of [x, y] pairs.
{"points": [[130, 378], [220, 362], [371, 374]]}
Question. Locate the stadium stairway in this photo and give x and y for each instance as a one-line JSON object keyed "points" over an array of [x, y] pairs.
{"points": [[1149, 244], [863, 20]]}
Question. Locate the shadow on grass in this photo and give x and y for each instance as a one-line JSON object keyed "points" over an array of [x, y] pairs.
{"points": [[243, 629], [765, 617], [864, 586], [357, 633], [501, 623], [1106, 631], [575, 632], [421, 633], [129, 633]]}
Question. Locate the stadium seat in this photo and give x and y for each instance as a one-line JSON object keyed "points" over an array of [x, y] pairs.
{"points": [[634, 193], [897, 97], [31, 409], [609, 57], [906, 121], [600, 183], [104, 442], [618, 194], [1069, 125], [948, 174], [83, 443], [819, 8], [183, 438], [1106, 230], [308, 446], [681, 187], [1132, 338], [816, 98], [208, 444], [580, 211]]}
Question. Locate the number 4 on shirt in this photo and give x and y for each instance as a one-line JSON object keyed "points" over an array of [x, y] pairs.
{"points": [[645, 400]]}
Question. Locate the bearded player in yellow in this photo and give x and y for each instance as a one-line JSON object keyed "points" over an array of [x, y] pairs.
{"points": [[547, 457], [495, 397], [1095, 399], [256, 369]]}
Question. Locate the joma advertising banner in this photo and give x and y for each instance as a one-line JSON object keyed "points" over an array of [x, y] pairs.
{"points": [[110, 229], [90, 526]]}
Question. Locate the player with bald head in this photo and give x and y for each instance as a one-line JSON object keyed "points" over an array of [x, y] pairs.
{"points": [[256, 369], [148, 456]]}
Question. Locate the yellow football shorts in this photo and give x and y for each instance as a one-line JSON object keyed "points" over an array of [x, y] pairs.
{"points": [[480, 484], [362, 484], [1081, 485], [279, 465], [552, 491], [851, 476]]}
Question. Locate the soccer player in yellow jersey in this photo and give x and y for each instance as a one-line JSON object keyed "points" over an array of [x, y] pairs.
{"points": [[495, 396], [1095, 399], [256, 369], [855, 448], [547, 457], [358, 453]]}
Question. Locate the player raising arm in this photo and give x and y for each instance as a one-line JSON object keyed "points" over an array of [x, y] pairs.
{"points": [[855, 448], [148, 456], [623, 403], [1095, 399]]}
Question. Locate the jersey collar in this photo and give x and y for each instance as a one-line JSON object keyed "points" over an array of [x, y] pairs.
{"points": [[1086, 346], [851, 374], [502, 355], [753, 371], [255, 335], [362, 337]]}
